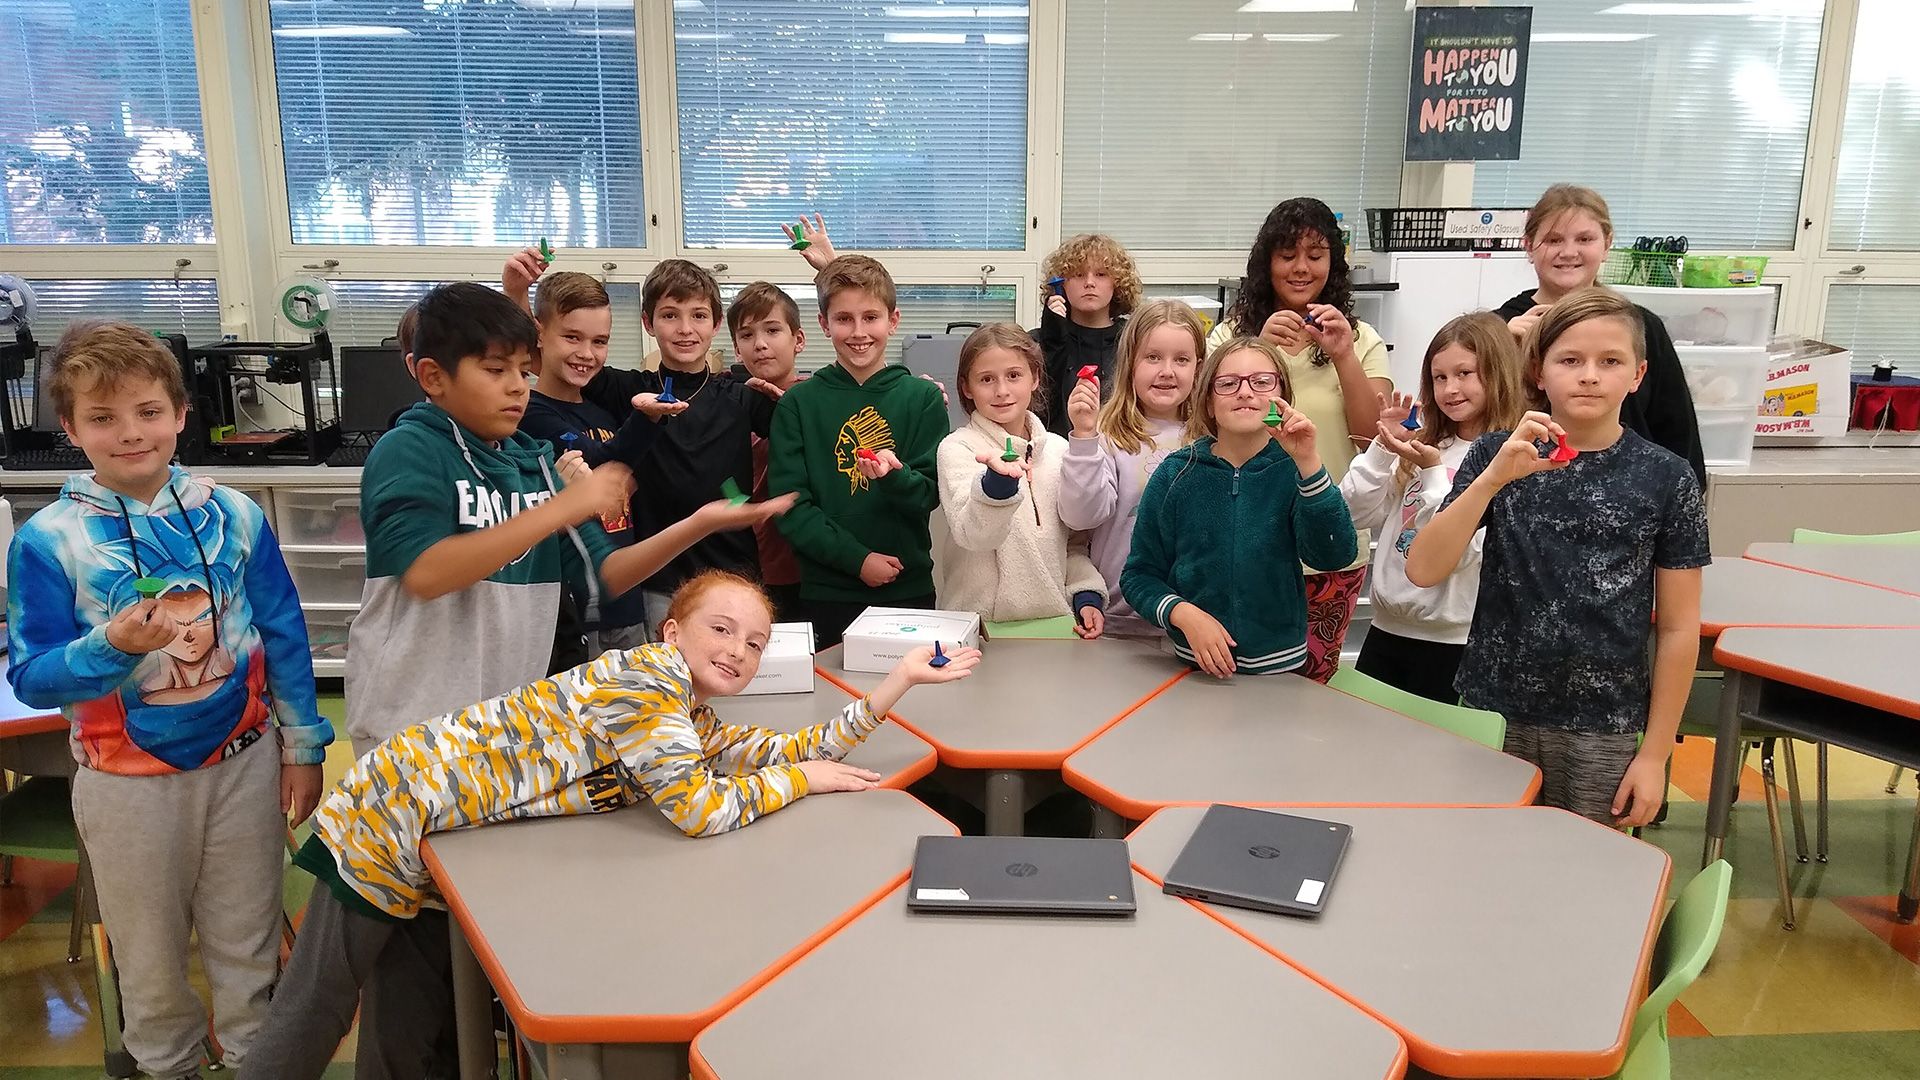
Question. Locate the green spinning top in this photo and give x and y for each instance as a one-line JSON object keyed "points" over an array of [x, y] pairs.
{"points": [[1009, 455], [149, 587], [800, 241], [731, 492], [546, 252], [1273, 418]]}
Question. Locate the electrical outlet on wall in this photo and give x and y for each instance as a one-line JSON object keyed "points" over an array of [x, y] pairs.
{"points": [[246, 391]]}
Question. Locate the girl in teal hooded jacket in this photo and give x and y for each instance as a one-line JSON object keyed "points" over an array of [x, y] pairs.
{"points": [[1226, 522]]}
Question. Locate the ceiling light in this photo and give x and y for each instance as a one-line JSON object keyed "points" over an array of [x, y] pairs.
{"points": [[1550, 38], [1252, 6], [1730, 7], [1300, 37], [1221, 37]]}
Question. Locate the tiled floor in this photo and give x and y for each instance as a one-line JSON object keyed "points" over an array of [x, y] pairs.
{"points": [[1838, 998]]}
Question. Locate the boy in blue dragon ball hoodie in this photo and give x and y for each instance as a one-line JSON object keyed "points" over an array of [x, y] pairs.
{"points": [[155, 611]]}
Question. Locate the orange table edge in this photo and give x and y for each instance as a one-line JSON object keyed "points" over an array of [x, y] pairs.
{"points": [[1834, 576], [628, 1029], [1509, 1063], [1872, 699], [32, 725], [1009, 759]]}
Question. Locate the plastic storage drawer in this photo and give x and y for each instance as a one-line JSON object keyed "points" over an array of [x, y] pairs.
{"points": [[328, 577], [1710, 316], [1724, 376], [1726, 433], [318, 517]]}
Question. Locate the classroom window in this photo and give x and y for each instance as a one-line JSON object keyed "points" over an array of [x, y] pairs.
{"points": [[368, 312], [1877, 187], [1691, 124], [924, 309], [905, 124], [1875, 321], [1184, 124], [100, 132], [190, 306], [437, 123]]}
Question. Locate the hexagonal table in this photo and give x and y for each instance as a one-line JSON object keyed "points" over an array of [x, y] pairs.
{"points": [[1027, 706], [1286, 741], [898, 755], [1498, 941], [614, 938], [1167, 993]]}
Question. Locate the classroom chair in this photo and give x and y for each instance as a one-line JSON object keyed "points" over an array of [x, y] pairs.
{"points": [[1814, 536], [1485, 728], [1686, 942], [36, 822]]}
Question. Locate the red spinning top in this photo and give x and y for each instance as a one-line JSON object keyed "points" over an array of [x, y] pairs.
{"points": [[1563, 452], [1091, 371], [866, 455]]}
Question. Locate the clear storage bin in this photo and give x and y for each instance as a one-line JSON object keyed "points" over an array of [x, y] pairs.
{"points": [[327, 633], [328, 577], [1724, 375], [1742, 317], [318, 517], [1726, 433]]}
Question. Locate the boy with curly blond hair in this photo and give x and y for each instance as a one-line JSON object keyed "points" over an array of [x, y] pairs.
{"points": [[1092, 286]]}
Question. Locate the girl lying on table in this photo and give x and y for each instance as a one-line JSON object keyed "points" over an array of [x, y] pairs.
{"points": [[626, 727]]}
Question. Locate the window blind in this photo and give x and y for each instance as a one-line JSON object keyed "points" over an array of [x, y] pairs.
{"points": [[453, 122], [369, 312], [1877, 190], [1690, 123], [1876, 322], [187, 306], [904, 123], [100, 129], [924, 309], [1186, 123]]}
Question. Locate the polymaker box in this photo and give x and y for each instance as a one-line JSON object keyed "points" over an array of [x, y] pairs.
{"points": [[786, 665], [881, 636]]}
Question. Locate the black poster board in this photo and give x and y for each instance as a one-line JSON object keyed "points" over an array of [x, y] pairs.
{"points": [[1469, 83]]}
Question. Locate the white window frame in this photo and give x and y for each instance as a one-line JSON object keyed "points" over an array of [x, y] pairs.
{"points": [[254, 248]]}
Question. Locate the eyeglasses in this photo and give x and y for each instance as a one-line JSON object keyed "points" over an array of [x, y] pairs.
{"points": [[1262, 382]]}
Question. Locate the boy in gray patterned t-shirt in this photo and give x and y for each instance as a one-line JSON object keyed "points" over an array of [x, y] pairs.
{"points": [[1579, 548]]}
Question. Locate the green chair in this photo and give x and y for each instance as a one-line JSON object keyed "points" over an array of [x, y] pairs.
{"points": [[36, 822], [1687, 940], [1485, 728], [1814, 536], [1058, 627]]}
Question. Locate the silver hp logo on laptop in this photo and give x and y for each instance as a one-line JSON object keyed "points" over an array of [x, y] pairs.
{"points": [[1022, 869], [1262, 851]]}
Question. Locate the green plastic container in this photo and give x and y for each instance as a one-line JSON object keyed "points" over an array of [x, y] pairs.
{"points": [[1722, 271]]}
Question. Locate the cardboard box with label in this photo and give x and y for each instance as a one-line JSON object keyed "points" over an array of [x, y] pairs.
{"points": [[877, 640], [786, 665], [1808, 392]]}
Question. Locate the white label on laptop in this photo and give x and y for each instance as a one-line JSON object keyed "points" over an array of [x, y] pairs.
{"points": [[941, 894], [1309, 893]]}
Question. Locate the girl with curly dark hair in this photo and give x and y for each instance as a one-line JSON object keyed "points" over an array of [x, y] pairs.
{"points": [[1298, 296]]}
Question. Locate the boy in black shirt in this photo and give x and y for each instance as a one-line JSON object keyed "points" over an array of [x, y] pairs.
{"points": [[1588, 526]]}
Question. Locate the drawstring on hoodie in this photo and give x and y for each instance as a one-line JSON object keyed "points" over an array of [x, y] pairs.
{"points": [[592, 574], [206, 566]]}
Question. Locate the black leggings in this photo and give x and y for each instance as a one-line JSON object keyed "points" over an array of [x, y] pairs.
{"points": [[1419, 667]]}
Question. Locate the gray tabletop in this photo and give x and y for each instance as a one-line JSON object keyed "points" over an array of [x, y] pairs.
{"points": [[1872, 667], [892, 751], [1888, 566], [619, 928], [1168, 993], [1499, 941], [1285, 739], [1743, 592], [1030, 703]]}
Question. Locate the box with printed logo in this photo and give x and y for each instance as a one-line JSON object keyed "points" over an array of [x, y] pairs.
{"points": [[786, 665], [1807, 392], [881, 636]]}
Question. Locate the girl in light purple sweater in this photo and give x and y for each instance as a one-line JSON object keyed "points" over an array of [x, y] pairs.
{"points": [[1114, 448]]}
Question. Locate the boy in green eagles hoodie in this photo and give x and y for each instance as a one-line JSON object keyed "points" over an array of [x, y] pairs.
{"points": [[855, 445], [469, 531]]}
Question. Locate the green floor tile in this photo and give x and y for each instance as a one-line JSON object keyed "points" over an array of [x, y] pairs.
{"points": [[1868, 848], [1872, 1055]]}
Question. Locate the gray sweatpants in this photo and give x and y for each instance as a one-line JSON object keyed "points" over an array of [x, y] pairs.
{"points": [[1579, 770], [175, 855], [406, 971]]}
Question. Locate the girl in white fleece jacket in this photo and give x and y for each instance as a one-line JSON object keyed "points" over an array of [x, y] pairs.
{"points": [[1470, 384], [1009, 557]]}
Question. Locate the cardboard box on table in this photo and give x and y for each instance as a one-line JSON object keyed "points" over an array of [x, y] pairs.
{"points": [[877, 640], [1808, 392], [786, 665]]}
